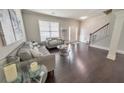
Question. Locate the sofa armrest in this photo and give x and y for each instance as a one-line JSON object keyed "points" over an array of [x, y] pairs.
{"points": [[48, 61]]}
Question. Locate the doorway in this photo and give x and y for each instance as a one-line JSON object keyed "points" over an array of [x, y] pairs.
{"points": [[73, 34]]}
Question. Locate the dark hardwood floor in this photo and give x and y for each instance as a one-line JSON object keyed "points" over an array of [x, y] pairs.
{"points": [[87, 65]]}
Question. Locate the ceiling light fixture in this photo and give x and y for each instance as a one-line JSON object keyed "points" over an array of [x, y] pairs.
{"points": [[84, 17]]}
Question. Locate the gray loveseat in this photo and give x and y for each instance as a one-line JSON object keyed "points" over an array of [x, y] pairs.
{"points": [[54, 42]]}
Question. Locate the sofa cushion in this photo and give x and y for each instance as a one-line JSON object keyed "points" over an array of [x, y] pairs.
{"points": [[24, 54], [44, 51], [36, 49], [53, 42], [13, 59], [36, 53], [28, 44]]}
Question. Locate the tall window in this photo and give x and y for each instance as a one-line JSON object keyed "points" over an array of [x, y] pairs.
{"points": [[48, 29]]}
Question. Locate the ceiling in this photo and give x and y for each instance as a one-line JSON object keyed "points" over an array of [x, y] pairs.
{"points": [[70, 13]]}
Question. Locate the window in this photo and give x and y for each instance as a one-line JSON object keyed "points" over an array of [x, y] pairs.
{"points": [[48, 29]]}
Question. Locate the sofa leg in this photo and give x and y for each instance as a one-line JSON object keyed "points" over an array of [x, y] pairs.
{"points": [[51, 73], [51, 77]]}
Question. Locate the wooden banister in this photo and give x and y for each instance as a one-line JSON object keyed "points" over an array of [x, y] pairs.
{"points": [[97, 31], [100, 28]]}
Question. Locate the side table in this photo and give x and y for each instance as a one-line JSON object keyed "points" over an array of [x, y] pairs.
{"points": [[39, 76]]}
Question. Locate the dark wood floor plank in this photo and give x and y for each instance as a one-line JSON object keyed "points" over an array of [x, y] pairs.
{"points": [[87, 65]]}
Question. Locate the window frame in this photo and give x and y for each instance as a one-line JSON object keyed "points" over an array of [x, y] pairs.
{"points": [[50, 29]]}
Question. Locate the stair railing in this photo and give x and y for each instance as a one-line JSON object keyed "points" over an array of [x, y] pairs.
{"points": [[99, 34]]}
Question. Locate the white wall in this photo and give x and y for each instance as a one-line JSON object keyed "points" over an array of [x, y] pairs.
{"points": [[118, 26], [32, 27], [90, 25], [4, 51], [121, 41]]}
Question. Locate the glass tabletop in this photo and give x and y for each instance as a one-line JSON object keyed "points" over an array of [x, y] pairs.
{"points": [[22, 73], [6, 75]]}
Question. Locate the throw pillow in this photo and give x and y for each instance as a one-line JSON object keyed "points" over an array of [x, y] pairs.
{"points": [[36, 49], [24, 54]]}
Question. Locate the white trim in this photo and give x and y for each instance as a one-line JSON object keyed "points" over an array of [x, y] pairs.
{"points": [[83, 41], [75, 42], [100, 47], [111, 56], [120, 52], [105, 48]]}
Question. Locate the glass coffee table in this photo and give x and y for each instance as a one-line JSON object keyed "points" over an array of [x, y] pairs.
{"points": [[63, 50]]}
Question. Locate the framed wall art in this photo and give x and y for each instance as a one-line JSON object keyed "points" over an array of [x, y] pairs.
{"points": [[16, 24]]}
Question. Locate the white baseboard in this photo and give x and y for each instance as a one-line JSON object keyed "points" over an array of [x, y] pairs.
{"points": [[84, 41], [100, 47], [120, 52], [75, 42], [111, 56], [105, 48]]}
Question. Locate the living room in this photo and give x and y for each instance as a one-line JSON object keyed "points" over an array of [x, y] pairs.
{"points": [[53, 46], [61, 46]]}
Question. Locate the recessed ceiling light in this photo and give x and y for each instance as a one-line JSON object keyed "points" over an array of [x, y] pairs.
{"points": [[84, 17]]}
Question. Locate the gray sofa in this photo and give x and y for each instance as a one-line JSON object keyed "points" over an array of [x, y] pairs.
{"points": [[26, 56], [54, 42]]}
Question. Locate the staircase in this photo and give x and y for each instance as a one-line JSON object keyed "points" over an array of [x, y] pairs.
{"points": [[100, 34]]}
